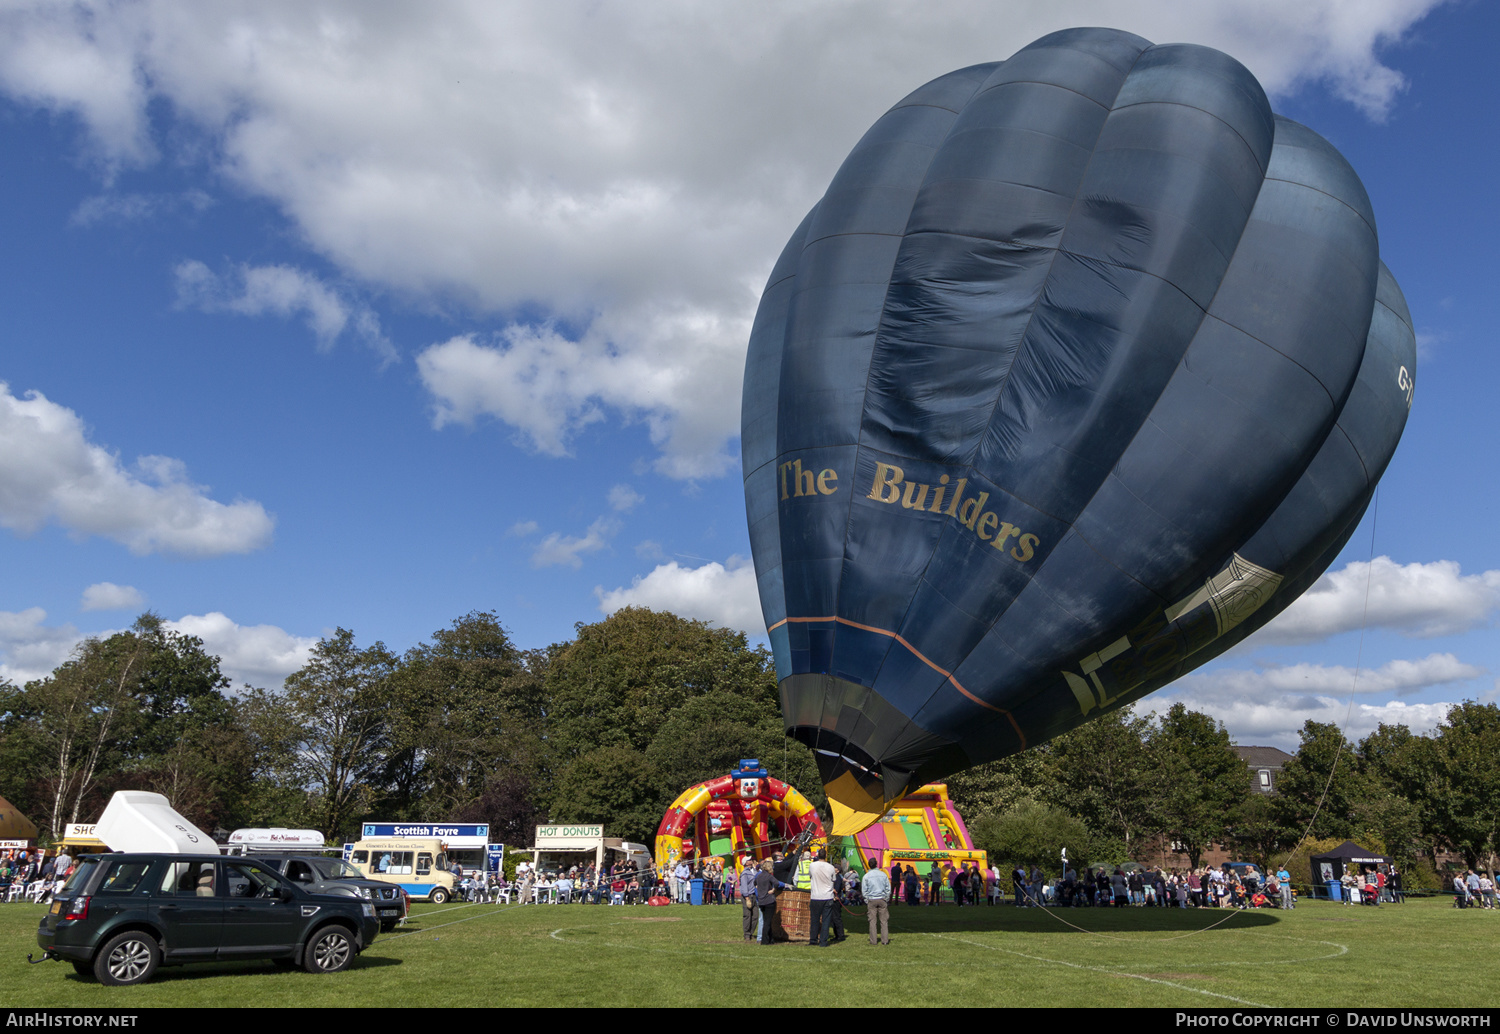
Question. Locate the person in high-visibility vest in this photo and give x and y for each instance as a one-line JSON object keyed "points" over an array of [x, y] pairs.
{"points": [[803, 880]]}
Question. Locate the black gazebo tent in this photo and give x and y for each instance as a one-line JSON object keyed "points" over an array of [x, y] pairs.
{"points": [[1330, 865]]}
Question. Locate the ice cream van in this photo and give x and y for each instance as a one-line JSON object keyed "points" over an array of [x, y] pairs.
{"points": [[418, 865]]}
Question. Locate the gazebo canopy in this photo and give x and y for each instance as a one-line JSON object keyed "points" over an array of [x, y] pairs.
{"points": [[1330, 865]]}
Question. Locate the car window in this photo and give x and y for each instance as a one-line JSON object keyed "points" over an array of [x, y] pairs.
{"points": [[85, 868], [424, 863], [333, 869], [298, 871], [123, 877], [189, 879], [250, 880]]}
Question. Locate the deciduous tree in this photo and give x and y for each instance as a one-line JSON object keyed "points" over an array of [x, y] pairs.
{"points": [[339, 701], [1205, 784]]}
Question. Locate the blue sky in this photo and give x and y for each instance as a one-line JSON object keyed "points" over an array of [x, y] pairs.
{"points": [[334, 314]]}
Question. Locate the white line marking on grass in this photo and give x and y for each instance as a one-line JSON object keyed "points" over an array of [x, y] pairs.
{"points": [[403, 934], [450, 908], [1343, 949], [1102, 969]]}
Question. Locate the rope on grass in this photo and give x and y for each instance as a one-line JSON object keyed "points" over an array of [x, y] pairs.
{"points": [[1359, 658]]}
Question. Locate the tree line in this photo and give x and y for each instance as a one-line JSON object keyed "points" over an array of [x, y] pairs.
{"points": [[607, 727], [1132, 786], [612, 724]]}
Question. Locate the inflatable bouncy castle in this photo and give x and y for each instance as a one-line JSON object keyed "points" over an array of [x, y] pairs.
{"points": [[923, 828], [743, 814]]}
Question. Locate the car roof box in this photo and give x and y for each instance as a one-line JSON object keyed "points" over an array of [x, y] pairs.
{"points": [[136, 821]]}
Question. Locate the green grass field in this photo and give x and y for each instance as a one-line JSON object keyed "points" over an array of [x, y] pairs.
{"points": [[1321, 954]]}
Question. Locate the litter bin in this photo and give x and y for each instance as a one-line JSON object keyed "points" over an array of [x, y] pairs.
{"points": [[697, 884], [1335, 890]]}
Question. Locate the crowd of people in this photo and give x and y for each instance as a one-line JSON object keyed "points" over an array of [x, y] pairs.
{"points": [[1473, 890], [32, 875], [1224, 886], [964, 884], [614, 884]]}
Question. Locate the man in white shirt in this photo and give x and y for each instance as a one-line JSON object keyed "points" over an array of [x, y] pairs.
{"points": [[822, 874]]}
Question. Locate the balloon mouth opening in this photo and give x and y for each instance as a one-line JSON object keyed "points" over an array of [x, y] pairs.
{"points": [[869, 754], [859, 789]]}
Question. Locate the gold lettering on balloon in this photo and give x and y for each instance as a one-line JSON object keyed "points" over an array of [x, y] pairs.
{"points": [[890, 486], [887, 476], [805, 483]]}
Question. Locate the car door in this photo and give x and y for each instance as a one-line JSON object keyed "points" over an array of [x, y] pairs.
{"points": [[257, 921], [190, 909]]}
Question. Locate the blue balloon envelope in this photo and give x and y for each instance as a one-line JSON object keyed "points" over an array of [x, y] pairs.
{"points": [[1084, 367]]}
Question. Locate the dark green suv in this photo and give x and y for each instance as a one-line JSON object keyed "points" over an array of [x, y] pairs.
{"points": [[120, 916]]}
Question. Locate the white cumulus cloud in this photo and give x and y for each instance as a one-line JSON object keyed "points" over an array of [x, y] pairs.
{"points": [[1400, 677], [281, 291], [1275, 722], [1268, 706], [559, 550], [260, 655], [1419, 600], [109, 596], [30, 648], [724, 594], [623, 498], [679, 373], [50, 471], [627, 171]]}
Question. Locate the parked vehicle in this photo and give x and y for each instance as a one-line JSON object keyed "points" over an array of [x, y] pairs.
{"points": [[120, 916], [320, 875], [418, 865]]}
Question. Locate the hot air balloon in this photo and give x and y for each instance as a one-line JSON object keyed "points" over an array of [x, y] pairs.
{"points": [[1083, 368]]}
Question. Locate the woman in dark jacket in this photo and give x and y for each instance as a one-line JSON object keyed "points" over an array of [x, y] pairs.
{"points": [[765, 899]]}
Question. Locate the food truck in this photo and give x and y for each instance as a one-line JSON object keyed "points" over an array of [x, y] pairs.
{"points": [[558, 848], [465, 843], [418, 865]]}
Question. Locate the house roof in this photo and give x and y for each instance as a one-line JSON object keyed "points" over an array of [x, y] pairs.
{"points": [[1263, 757]]}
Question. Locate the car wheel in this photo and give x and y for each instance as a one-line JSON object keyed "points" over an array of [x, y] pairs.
{"points": [[130, 958], [331, 950], [439, 896]]}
